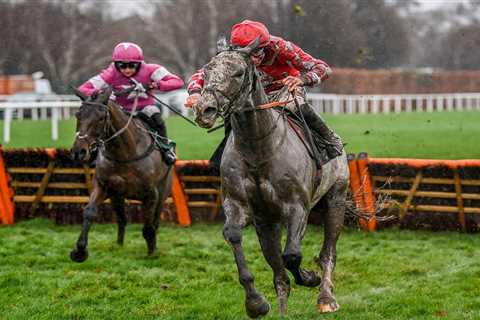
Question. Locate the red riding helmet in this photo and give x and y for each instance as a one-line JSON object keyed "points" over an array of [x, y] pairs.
{"points": [[246, 31], [127, 51]]}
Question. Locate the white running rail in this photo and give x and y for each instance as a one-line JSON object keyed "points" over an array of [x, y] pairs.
{"points": [[60, 107]]}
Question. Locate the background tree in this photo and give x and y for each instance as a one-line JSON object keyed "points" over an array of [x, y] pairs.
{"points": [[70, 41]]}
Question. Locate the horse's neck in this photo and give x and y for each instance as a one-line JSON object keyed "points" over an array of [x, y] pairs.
{"points": [[254, 131], [125, 143]]}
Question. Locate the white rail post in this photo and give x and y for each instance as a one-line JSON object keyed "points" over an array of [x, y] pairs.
{"points": [[336, 105], [398, 104], [408, 104], [363, 104], [458, 102], [419, 104], [449, 103], [7, 124], [55, 117], [386, 105], [440, 104], [350, 105], [375, 102]]}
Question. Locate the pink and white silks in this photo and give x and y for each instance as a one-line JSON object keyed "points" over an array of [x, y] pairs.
{"points": [[147, 73]]}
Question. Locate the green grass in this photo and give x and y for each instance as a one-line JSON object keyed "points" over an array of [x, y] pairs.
{"points": [[440, 135], [389, 274]]}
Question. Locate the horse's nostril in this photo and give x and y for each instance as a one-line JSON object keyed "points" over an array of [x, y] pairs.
{"points": [[210, 111]]}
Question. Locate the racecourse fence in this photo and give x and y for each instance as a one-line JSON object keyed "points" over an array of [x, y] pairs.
{"points": [[58, 107], [433, 194]]}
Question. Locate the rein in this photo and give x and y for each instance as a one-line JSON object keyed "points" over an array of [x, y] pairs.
{"points": [[107, 123], [228, 109]]}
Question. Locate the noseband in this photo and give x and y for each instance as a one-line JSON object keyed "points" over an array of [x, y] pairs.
{"points": [[227, 109]]}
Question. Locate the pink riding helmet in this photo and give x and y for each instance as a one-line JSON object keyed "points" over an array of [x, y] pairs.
{"points": [[127, 51]]}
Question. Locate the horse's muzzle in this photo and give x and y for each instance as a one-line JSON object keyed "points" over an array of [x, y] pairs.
{"points": [[206, 118]]}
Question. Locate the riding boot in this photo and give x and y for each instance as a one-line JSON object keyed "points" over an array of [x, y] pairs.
{"points": [[317, 124], [169, 155]]}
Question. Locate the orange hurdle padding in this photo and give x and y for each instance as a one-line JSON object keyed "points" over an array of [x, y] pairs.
{"points": [[355, 182], [180, 201], [191, 163], [7, 207], [422, 163], [368, 194]]}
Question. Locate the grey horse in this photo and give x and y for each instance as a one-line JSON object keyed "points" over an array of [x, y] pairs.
{"points": [[127, 166], [269, 178]]}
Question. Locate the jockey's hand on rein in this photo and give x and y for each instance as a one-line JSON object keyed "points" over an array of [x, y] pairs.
{"points": [[192, 100], [149, 86], [292, 83]]}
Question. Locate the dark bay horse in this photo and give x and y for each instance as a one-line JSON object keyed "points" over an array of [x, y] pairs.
{"points": [[268, 176], [127, 166]]}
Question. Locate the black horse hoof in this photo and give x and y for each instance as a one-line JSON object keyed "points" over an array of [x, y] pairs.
{"points": [[308, 279], [256, 307], [79, 255]]}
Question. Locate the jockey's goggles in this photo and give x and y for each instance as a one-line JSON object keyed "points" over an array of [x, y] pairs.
{"points": [[125, 65]]}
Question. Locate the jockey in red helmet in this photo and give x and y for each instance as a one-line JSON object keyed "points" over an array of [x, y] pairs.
{"points": [[127, 64], [280, 64]]}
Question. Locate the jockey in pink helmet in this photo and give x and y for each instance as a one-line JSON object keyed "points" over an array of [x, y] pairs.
{"points": [[127, 64]]}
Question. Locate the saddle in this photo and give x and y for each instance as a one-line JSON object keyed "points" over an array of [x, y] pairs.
{"points": [[319, 148]]}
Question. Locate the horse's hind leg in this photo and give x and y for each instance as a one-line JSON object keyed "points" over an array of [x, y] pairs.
{"points": [[333, 223], [80, 252], [255, 303], [118, 203], [149, 230], [270, 237], [292, 255]]}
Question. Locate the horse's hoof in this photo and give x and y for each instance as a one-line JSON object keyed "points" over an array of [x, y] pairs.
{"points": [[325, 307], [309, 279], [78, 255], [151, 252], [257, 306]]}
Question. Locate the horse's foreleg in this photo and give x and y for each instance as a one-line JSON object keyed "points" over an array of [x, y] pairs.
{"points": [[255, 303], [270, 241], [149, 230], [334, 217], [292, 255], [118, 204], [80, 253]]}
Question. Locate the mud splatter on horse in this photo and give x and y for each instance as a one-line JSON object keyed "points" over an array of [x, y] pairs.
{"points": [[268, 176]]}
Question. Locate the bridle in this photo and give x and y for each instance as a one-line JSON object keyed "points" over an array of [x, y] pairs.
{"points": [[100, 139], [103, 139], [227, 109]]}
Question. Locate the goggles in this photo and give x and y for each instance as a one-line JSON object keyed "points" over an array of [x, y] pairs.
{"points": [[125, 65]]}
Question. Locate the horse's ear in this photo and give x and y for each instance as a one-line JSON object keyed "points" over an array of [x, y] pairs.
{"points": [[222, 44], [252, 46], [79, 93], [104, 95]]}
